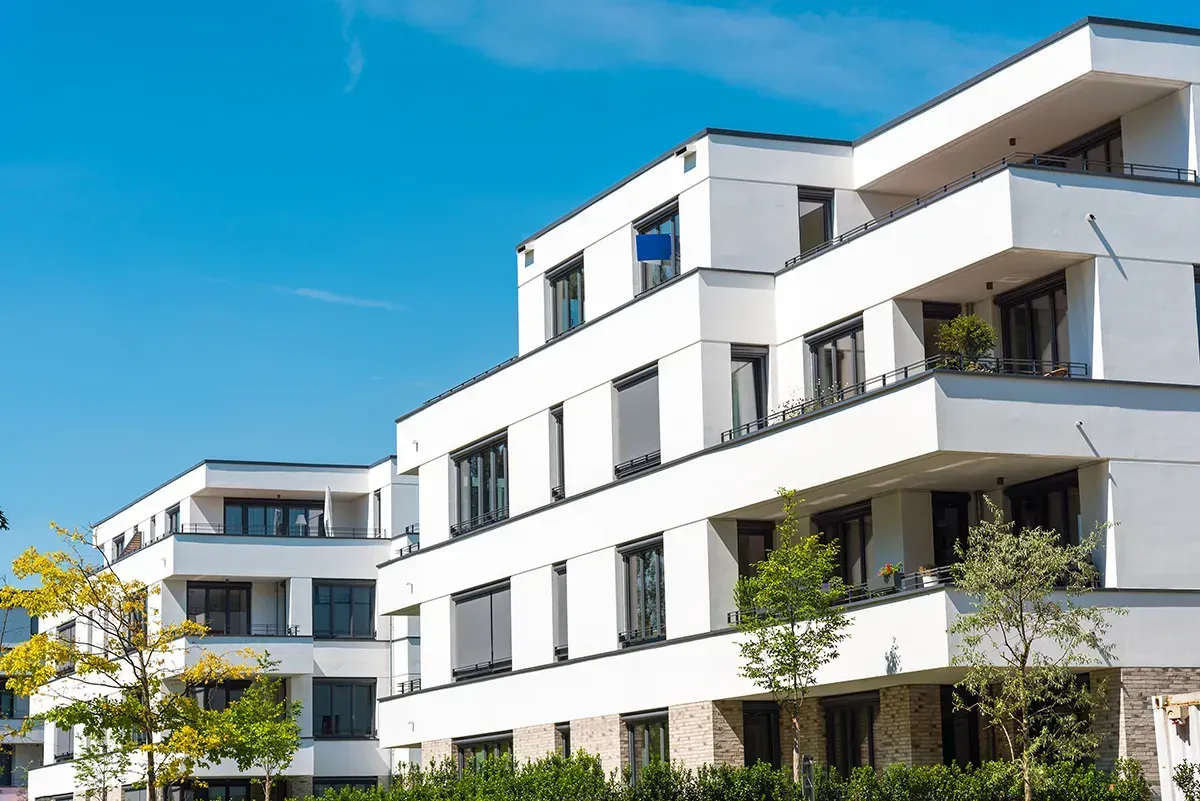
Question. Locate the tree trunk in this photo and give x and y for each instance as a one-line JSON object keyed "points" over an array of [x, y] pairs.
{"points": [[795, 745], [267, 787], [151, 787], [1025, 771]]}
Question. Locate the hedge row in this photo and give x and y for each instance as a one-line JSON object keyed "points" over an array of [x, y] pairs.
{"points": [[581, 778]]}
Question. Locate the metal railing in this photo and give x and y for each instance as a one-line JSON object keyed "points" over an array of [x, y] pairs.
{"points": [[558, 493], [642, 636], [257, 630], [479, 521], [560, 653], [406, 686], [1034, 160], [638, 464], [412, 528], [482, 669], [470, 381], [988, 364], [407, 550], [283, 531]]}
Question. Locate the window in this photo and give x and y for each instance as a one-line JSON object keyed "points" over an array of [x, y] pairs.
{"points": [[66, 634], [754, 544], [6, 766], [173, 520], [934, 316], [637, 423], [960, 731], [839, 360], [1051, 503], [816, 218], [851, 529], [8, 702], [377, 510], [153, 528], [118, 546], [321, 786], [566, 296], [949, 525], [1034, 323], [482, 486], [563, 730], [483, 632], [560, 612], [473, 752], [660, 270], [344, 609], [278, 519], [760, 725], [850, 731], [218, 697], [134, 794], [648, 741], [64, 743], [558, 467], [645, 593], [135, 623], [748, 374], [226, 790], [1099, 151], [224, 608], [343, 707]]}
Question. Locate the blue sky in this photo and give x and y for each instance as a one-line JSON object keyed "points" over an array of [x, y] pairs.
{"points": [[262, 230]]}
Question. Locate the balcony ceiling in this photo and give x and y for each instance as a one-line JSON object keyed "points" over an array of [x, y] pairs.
{"points": [[1053, 119], [1005, 271]]}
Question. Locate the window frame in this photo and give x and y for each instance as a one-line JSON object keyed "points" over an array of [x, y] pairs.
{"points": [[356, 732], [561, 275], [642, 722], [1078, 147], [813, 194], [754, 529], [61, 634], [288, 505], [1041, 489], [559, 612], [493, 666], [558, 462], [849, 706], [352, 585], [852, 327], [838, 517], [208, 586], [770, 711], [173, 520], [756, 356], [653, 458], [338, 783], [205, 692], [64, 736], [502, 742], [487, 448], [1196, 279], [646, 225], [635, 632], [1024, 296]]}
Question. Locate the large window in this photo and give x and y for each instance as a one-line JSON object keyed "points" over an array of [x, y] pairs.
{"points": [[1035, 325], [960, 731], [659, 271], [748, 374], [560, 612], [472, 752], [637, 423], [482, 486], [648, 741], [66, 634], [223, 607], [816, 218], [934, 316], [218, 697], [344, 609], [558, 467], [277, 519], [173, 520], [645, 593], [839, 360], [64, 743], [950, 525], [851, 529], [6, 766], [343, 707], [760, 726], [1101, 150], [754, 544], [566, 296], [850, 731], [483, 632], [322, 785], [1051, 503]]}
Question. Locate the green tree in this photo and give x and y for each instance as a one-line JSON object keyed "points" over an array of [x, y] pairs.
{"points": [[263, 728], [1187, 779], [1024, 635], [967, 336], [789, 617], [129, 686]]}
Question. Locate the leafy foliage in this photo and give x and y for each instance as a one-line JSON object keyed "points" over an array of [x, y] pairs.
{"points": [[261, 728], [788, 616], [968, 336], [1187, 779], [1026, 631]]}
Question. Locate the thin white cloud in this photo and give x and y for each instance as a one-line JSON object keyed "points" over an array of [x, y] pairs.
{"points": [[331, 297], [846, 61], [354, 63]]}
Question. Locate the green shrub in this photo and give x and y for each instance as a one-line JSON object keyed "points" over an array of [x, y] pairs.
{"points": [[968, 336]]}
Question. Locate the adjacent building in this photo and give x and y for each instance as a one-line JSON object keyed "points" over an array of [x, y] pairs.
{"points": [[19, 752]]}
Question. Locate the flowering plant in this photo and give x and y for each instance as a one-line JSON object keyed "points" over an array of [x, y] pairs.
{"points": [[890, 570], [927, 570]]}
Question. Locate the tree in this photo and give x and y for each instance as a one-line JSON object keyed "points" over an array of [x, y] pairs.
{"points": [[968, 336], [1025, 634], [263, 728], [130, 686], [789, 617], [3, 521], [1187, 779]]}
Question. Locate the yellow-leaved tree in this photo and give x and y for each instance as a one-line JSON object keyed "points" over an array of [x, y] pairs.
{"points": [[128, 682]]}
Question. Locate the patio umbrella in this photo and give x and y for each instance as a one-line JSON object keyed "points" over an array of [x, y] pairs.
{"points": [[328, 511]]}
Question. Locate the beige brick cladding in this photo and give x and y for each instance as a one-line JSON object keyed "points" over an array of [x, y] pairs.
{"points": [[434, 752], [602, 736], [910, 725], [706, 732], [299, 787], [534, 742], [812, 732], [1126, 728]]}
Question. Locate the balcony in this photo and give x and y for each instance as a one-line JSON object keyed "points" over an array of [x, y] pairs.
{"points": [[481, 521], [637, 464], [285, 531], [404, 686], [633, 637], [482, 669]]}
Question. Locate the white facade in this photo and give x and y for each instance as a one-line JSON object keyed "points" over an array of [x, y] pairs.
{"points": [[1083, 257], [253, 551]]}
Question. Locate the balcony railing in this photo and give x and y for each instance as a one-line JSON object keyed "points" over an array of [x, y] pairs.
{"points": [[642, 636], [406, 550], [1034, 160], [558, 493], [283, 531], [482, 669], [481, 521], [256, 630], [560, 653], [996, 366], [638, 464], [406, 686]]}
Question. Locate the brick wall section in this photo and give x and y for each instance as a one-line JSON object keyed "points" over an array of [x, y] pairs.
{"points": [[728, 733], [298, 787], [434, 752], [602, 736], [812, 732], [1107, 726], [909, 729], [706, 732], [534, 742]]}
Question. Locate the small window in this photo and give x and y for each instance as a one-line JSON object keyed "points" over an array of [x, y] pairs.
{"points": [[66, 634], [8, 705], [637, 423], [645, 594], [343, 708], [377, 511], [560, 612], [344, 610], [816, 218], [563, 737], [850, 731], [1196, 276], [566, 297], [755, 538], [648, 741], [472, 753], [483, 632], [118, 546], [662, 244], [173, 520], [64, 743], [839, 360], [558, 471], [482, 486], [748, 374]]}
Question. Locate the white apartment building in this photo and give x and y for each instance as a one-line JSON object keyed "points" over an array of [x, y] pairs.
{"points": [[19, 753], [587, 506], [279, 558]]}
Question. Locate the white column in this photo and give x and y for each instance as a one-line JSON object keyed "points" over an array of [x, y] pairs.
{"points": [[694, 397], [529, 463], [533, 617], [594, 588], [589, 443], [300, 688], [894, 332], [437, 642], [299, 605], [700, 567], [435, 489]]}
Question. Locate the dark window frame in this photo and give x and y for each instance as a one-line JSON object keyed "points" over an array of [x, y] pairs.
{"points": [[208, 586], [337, 783], [559, 276], [950, 715], [640, 628], [640, 724], [837, 518], [852, 327], [66, 632], [494, 665], [558, 462], [358, 730], [1041, 489], [329, 633], [490, 493], [653, 458], [1023, 297], [1196, 279], [756, 356], [283, 529], [754, 529], [563, 730], [647, 225], [844, 711], [491, 745], [811, 194], [217, 697], [559, 613], [1104, 135], [943, 551], [770, 711], [173, 518]]}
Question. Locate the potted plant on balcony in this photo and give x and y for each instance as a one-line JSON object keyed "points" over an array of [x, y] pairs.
{"points": [[966, 342], [928, 575], [893, 573]]}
